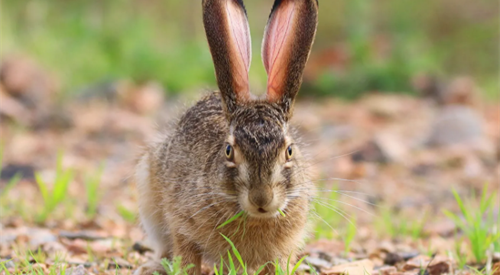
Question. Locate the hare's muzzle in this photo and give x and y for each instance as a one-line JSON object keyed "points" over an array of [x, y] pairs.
{"points": [[261, 198]]}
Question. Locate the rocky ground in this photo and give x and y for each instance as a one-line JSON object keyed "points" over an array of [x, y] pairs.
{"points": [[393, 160]]}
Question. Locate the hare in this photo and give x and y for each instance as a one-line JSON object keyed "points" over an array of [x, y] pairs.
{"points": [[234, 152]]}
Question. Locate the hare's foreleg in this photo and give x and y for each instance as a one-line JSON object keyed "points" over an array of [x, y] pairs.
{"points": [[190, 253]]}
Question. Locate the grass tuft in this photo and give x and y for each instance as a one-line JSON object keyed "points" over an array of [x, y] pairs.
{"points": [[175, 267], [126, 214], [53, 197], [92, 183], [478, 224]]}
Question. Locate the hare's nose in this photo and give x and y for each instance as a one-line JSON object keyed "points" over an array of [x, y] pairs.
{"points": [[261, 197]]}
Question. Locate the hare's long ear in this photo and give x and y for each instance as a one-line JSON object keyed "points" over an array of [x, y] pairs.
{"points": [[287, 42], [228, 35]]}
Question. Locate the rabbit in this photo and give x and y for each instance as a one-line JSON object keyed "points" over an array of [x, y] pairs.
{"points": [[233, 151]]}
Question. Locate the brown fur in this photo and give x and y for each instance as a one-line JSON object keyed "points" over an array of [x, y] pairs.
{"points": [[188, 186]]}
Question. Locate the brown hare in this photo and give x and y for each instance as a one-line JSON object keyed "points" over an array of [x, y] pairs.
{"points": [[233, 152]]}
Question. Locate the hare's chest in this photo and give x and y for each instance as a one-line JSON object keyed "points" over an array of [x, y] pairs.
{"points": [[255, 244]]}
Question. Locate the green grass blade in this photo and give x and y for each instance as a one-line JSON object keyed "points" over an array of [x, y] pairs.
{"points": [[43, 188], [281, 212], [485, 199], [92, 183], [312, 269], [260, 269], [288, 264], [12, 182], [59, 162], [232, 268], [461, 205], [125, 213], [5, 268], [230, 220], [2, 149], [167, 266], [236, 253], [297, 265], [61, 186]]}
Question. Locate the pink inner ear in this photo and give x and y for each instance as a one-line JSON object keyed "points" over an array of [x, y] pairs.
{"points": [[239, 46], [275, 48]]}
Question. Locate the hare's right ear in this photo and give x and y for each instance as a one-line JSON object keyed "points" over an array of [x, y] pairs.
{"points": [[287, 42], [228, 35]]}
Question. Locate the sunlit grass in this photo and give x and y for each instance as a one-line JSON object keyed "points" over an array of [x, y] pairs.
{"points": [[478, 223], [326, 217], [93, 193], [174, 267], [53, 197], [350, 234], [105, 47], [394, 224], [127, 214], [234, 265], [334, 218], [29, 262], [238, 265]]}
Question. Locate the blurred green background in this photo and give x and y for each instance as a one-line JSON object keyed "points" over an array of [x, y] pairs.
{"points": [[361, 45]]}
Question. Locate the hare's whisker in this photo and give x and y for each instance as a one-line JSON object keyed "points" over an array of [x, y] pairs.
{"points": [[338, 211], [326, 204], [206, 207], [214, 214], [339, 179], [333, 178], [342, 192], [323, 220], [345, 203], [359, 199], [356, 198], [187, 220], [305, 167], [213, 229], [291, 197], [194, 203]]}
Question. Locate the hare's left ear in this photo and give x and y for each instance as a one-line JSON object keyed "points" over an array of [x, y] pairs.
{"points": [[287, 43]]}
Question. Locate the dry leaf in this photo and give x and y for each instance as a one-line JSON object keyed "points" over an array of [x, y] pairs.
{"points": [[362, 267]]}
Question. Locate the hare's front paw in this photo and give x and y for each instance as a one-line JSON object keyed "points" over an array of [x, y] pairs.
{"points": [[149, 268]]}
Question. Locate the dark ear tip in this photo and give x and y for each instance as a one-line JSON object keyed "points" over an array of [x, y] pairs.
{"points": [[239, 2], [242, 5], [277, 3]]}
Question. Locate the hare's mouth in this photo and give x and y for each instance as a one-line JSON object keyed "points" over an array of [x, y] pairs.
{"points": [[263, 214], [257, 207]]}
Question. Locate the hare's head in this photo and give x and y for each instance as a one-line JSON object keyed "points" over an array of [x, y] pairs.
{"points": [[262, 164]]}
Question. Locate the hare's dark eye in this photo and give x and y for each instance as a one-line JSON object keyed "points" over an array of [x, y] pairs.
{"points": [[289, 153], [229, 152]]}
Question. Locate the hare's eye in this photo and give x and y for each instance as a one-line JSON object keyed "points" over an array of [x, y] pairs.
{"points": [[229, 152], [289, 153]]}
